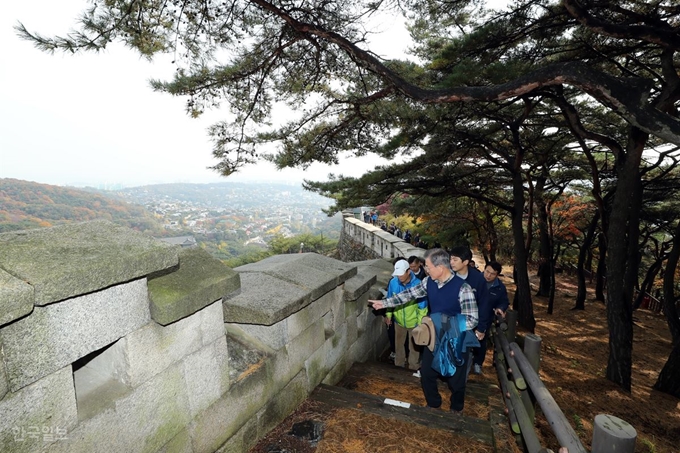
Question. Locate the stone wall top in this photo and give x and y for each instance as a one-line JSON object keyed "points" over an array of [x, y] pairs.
{"points": [[79, 258], [16, 298], [278, 286], [199, 281], [381, 242]]}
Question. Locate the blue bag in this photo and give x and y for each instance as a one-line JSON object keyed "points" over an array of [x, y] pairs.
{"points": [[451, 344]]}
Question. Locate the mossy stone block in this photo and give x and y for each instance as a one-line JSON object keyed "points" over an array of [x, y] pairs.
{"points": [[16, 298], [79, 258], [199, 281]]}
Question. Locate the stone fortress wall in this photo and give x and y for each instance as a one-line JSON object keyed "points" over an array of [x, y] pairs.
{"points": [[112, 341], [362, 241]]}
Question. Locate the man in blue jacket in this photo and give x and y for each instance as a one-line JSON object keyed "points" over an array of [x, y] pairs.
{"points": [[445, 294], [498, 304]]}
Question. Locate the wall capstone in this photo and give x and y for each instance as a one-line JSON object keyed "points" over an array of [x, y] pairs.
{"points": [[16, 298], [79, 258], [291, 282], [199, 281]]}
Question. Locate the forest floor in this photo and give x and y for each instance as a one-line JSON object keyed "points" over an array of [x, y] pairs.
{"points": [[574, 355]]}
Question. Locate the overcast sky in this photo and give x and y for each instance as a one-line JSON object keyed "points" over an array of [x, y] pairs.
{"points": [[90, 119]]}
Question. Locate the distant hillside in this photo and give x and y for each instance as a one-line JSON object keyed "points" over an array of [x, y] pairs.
{"points": [[25, 205], [225, 194]]}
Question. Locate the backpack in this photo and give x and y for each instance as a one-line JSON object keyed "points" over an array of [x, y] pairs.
{"points": [[453, 341]]}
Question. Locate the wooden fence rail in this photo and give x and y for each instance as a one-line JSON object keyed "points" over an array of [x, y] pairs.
{"points": [[521, 385]]}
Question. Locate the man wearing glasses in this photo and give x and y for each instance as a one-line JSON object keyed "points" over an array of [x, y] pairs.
{"points": [[448, 294]]}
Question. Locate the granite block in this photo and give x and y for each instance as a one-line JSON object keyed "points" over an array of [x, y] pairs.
{"points": [[264, 300], [58, 334], [301, 320], [198, 281], [153, 348], [282, 404], [304, 345], [143, 421], [381, 268], [181, 443], [244, 439], [283, 284], [16, 298], [359, 284], [79, 258], [212, 323], [212, 428], [207, 375], [4, 383], [48, 404]]}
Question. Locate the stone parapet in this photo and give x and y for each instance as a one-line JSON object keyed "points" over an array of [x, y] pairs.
{"points": [[364, 241], [79, 258], [199, 280], [92, 365], [278, 286]]}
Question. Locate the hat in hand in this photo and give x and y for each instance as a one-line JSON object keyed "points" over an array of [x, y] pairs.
{"points": [[400, 267], [424, 334]]}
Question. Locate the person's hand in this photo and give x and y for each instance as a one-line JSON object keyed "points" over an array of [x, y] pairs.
{"points": [[376, 304], [500, 312], [480, 335], [388, 321]]}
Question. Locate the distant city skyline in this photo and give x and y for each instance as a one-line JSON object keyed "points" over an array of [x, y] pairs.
{"points": [[92, 119]]}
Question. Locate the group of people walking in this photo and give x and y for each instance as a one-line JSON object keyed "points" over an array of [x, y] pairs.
{"points": [[442, 296], [372, 218]]}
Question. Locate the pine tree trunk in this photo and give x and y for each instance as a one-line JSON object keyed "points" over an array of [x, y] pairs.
{"points": [[669, 378], [544, 248], [580, 267], [622, 261], [524, 305], [646, 286], [601, 272], [493, 235], [669, 298]]}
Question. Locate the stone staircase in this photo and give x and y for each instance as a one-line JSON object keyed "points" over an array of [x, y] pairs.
{"points": [[370, 386]]}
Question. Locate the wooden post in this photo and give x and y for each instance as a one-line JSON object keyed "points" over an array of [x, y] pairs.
{"points": [[613, 434], [511, 320], [565, 434], [532, 349]]}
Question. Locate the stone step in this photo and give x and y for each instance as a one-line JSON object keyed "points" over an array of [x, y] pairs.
{"points": [[339, 397]]}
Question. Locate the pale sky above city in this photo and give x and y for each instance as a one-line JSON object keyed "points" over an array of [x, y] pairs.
{"points": [[92, 118], [89, 119]]}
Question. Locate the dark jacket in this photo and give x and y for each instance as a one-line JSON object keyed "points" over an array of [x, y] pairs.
{"points": [[498, 296]]}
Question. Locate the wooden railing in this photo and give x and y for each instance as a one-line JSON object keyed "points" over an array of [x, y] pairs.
{"points": [[522, 389], [650, 302]]}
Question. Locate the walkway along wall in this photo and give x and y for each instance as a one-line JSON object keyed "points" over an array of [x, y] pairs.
{"points": [[114, 341], [364, 241]]}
